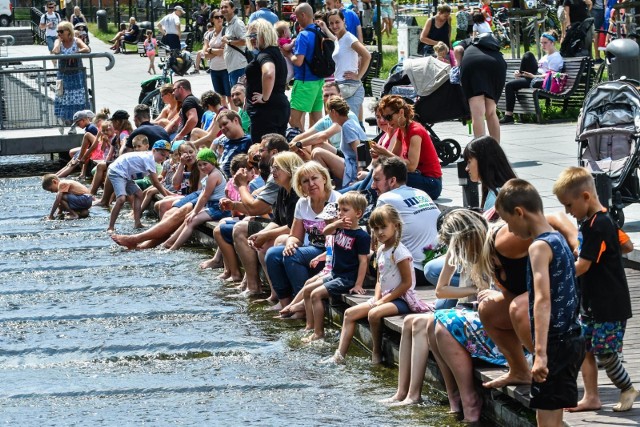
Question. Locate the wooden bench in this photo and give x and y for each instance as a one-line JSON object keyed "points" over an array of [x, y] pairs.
{"points": [[579, 77], [136, 43], [377, 86]]}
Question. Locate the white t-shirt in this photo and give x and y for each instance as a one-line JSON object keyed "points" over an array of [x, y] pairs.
{"points": [[170, 23], [553, 62], [419, 215], [54, 19], [482, 28], [390, 276], [313, 226], [215, 41], [134, 165], [344, 56]]}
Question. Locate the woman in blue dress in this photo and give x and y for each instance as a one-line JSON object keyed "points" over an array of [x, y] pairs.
{"points": [[71, 92]]}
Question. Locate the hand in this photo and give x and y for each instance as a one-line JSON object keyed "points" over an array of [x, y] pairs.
{"points": [[183, 158], [190, 217], [293, 147], [224, 40], [344, 223], [351, 75], [257, 240], [540, 371], [487, 294], [362, 175], [257, 98], [517, 73], [226, 204], [241, 178], [357, 290], [290, 249]]}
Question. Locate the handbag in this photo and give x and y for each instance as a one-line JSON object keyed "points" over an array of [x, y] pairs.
{"points": [[554, 82], [59, 88], [486, 41]]}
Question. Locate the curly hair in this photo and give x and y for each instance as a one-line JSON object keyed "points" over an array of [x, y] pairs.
{"points": [[397, 103]]}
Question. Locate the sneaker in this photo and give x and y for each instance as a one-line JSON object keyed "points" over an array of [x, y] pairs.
{"points": [[506, 120], [195, 72]]}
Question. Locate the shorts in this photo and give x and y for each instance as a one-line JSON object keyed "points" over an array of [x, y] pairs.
{"points": [[212, 208], [220, 82], [354, 101], [226, 231], [402, 306], [598, 18], [307, 96], [122, 186], [256, 225], [560, 390], [144, 183], [189, 198], [50, 42], [387, 12], [130, 39], [603, 337], [337, 286], [233, 78], [79, 201]]}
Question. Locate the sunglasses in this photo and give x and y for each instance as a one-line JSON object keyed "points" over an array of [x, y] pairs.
{"points": [[388, 117], [60, 31], [253, 36], [218, 17], [51, 7]]}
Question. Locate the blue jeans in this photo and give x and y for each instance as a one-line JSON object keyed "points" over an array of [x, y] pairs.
{"points": [[432, 272], [234, 76], [431, 186], [220, 82], [365, 184], [288, 273]]}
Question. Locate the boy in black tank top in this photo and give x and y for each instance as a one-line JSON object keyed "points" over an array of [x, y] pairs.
{"points": [[605, 309], [553, 303]]}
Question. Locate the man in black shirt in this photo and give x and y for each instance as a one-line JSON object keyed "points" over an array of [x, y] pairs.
{"points": [[141, 118], [576, 11], [191, 111]]}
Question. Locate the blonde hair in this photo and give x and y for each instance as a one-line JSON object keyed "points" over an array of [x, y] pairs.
{"points": [[265, 31], [383, 215], [66, 25], [104, 126], [573, 181], [441, 48], [280, 28], [470, 245], [102, 115], [141, 139], [287, 161], [354, 199], [307, 169]]}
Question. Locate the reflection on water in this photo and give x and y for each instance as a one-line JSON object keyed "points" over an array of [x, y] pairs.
{"points": [[95, 334]]}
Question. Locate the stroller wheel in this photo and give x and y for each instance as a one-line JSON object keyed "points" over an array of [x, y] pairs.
{"points": [[448, 151], [618, 215]]}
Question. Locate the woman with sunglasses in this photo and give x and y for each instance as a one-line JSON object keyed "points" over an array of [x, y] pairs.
{"points": [[71, 93], [266, 103], [171, 107], [532, 72], [413, 145], [214, 52]]}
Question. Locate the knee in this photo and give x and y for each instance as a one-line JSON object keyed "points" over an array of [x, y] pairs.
{"points": [[374, 315], [420, 326], [240, 231], [407, 323], [273, 256]]}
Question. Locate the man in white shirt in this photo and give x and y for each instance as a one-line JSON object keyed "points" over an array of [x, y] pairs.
{"points": [[169, 26], [49, 23], [234, 40], [418, 212]]}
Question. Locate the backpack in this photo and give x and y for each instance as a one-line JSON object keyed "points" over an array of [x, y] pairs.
{"points": [[46, 18], [321, 63]]}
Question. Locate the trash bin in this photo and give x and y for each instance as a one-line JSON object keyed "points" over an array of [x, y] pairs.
{"points": [[144, 26], [101, 17], [623, 59], [408, 37]]}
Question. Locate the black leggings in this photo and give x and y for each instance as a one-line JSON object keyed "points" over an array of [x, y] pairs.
{"points": [[529, 63]]}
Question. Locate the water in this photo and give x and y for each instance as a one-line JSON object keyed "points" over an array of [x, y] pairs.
{"points": [[91, 334]]}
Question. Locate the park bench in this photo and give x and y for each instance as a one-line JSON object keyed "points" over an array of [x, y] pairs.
{"points": [[137, 42], [528, 100]]}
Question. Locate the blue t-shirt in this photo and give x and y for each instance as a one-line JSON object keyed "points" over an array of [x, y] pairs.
{"points": [[207, 119], [326, 122], [92, 129], [351, 21], [256, 183], [304, 45], [231, 148], [351, 131], [563, 287], [347, 245], [265, 14]]}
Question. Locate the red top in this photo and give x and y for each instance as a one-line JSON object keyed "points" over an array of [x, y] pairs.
{"points": [[428, 164], [486, 8]]}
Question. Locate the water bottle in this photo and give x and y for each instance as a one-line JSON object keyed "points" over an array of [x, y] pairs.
{"points": [[401, 57], [328, 265]]}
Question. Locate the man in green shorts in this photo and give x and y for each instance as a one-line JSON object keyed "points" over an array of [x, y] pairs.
{"points": [[306, 95]]}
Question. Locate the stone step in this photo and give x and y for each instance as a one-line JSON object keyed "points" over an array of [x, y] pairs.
{"points": [[22, 35]]}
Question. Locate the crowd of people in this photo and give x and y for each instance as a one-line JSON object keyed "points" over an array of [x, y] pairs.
{"points": [[318, 222]]}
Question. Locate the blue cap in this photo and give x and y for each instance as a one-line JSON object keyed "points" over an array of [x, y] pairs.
{"points": [[162, 145], [176, 145]]}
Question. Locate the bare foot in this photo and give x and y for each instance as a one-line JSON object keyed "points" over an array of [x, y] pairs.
{"points": [[311, 338], [210, 263], [298, 315], [125, 241], [111, 230], [627, 398], [234, 279], [139, 225], [510, 378], [586, 405], [391, 400], [276, 307], [336, 359], [376, 359], [224, 275], [408, 401]]}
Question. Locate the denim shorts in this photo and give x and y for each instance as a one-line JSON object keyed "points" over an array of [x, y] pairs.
{"points": [[234, 76], [337, 286], [189, 198], [226, 231], [220, 82], [50, 42], [354, 101], [79, 201], [213, 209]]}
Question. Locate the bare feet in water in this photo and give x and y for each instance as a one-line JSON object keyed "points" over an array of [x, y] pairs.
{"points": [[407, 401], [122, 240], [210, 263], [311, 338], [510, 378]]}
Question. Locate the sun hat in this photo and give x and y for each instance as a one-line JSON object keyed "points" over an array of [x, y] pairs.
{"points": [[330, 211], [207, 155], [162, 145], [83, 114]]}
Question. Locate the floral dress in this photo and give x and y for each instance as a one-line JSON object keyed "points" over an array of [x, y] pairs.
{"points": [[73, 77]]}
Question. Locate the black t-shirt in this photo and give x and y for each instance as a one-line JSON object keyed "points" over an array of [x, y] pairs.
{"points": [[347, 245], [152, 132], [254, 73], [605, 293], [285, 207], [190, 102], [578, 10]]}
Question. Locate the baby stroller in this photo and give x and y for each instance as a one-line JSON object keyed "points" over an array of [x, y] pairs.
{"points": [[82, 31], [573, 44], [425, 83], [608, 135]]}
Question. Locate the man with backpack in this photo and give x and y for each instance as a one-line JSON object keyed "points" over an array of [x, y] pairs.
{"points": [[312, 62], [49, 22]]}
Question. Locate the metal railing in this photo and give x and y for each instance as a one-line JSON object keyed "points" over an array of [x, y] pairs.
{"points": [[29, 87]]}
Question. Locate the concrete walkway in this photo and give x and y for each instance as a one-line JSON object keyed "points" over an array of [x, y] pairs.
{"points": [[538, 152]]}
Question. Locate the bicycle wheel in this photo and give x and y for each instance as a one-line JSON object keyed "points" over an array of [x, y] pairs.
{"points": [[154, 101]]}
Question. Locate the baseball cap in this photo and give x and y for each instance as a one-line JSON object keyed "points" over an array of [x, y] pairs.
{"points": [[330, 211], [120, 115], [178, 8], [176, 145], [162, 145], [83, 114]]}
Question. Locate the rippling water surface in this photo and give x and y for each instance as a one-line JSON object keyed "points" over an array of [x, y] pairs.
{"points": [[91, 334]]}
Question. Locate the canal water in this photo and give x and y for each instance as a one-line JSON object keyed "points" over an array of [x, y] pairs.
{"points": [[91, 334]]}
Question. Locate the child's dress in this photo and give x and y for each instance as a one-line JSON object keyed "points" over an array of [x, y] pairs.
{"points": [[150, 47]]}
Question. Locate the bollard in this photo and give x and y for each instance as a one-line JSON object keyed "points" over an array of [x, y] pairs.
{"points": [[470, 195], [101, 17]]}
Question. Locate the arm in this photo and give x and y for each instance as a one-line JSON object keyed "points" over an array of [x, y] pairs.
{"points": [[156, 183], [297, 60], [213, 180], [582, 266], [161, 28], [317, 137], [359, 33], [209, 137], [268, 80], [192, 121], [365, 58], [296, 238], [56, 47], [363, 264], [56, 204], [248, 204], [540, 256], [425, 32], [415, 146], [445, 290], [270, 232]]}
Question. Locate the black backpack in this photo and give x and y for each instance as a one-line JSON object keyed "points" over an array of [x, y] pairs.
{"points": [[321, 63]]}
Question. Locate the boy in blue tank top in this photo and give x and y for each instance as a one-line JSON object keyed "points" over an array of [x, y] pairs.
{"points": [[605, 309], [553, 303]]}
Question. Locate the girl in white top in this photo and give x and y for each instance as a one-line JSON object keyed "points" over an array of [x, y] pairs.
{"points": [[352, 61], [480, 25], [394, 293]]}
